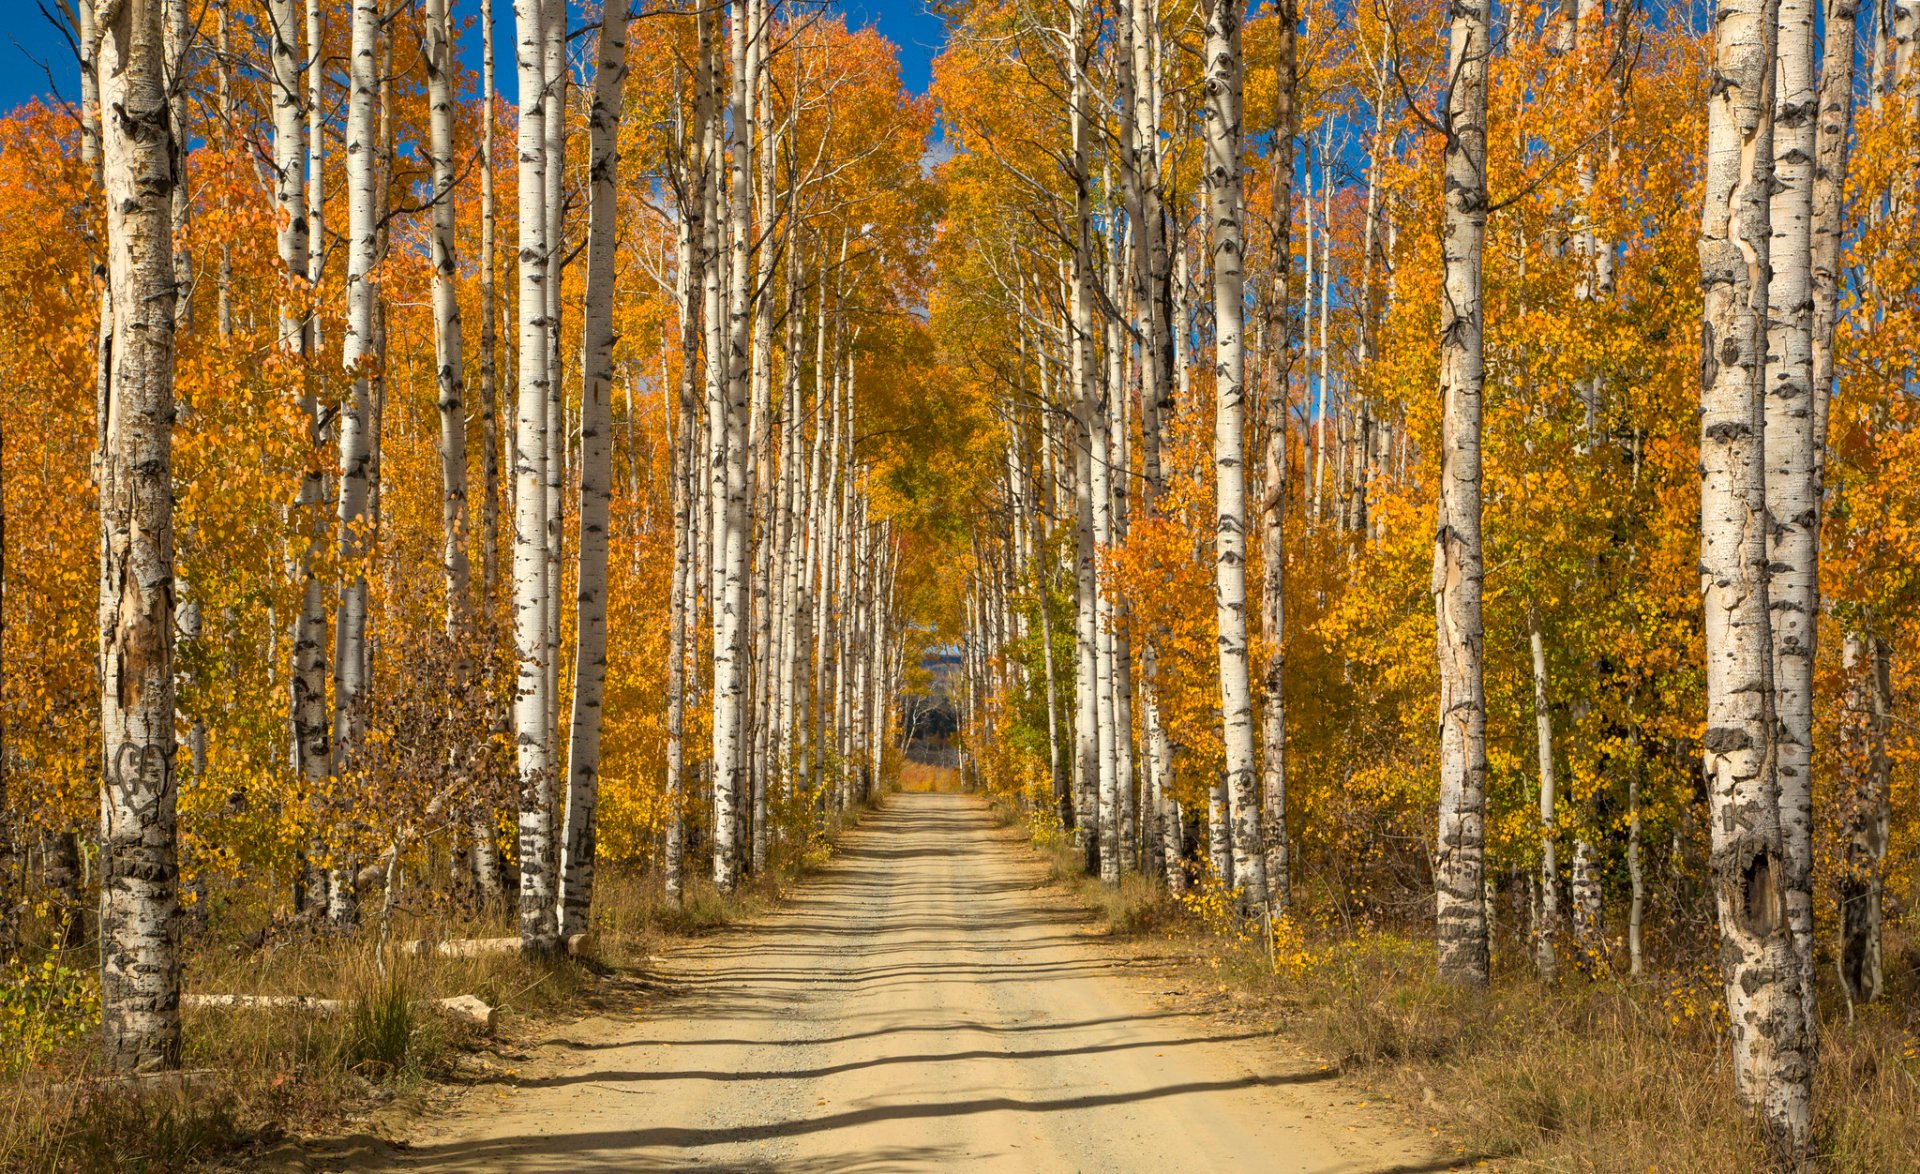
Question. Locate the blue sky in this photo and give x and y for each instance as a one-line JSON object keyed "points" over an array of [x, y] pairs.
{"points": [[31, 46]]}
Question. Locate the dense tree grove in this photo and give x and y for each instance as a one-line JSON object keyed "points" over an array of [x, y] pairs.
{"points": [[1384, 467], [1669, 325], [484, 490]]}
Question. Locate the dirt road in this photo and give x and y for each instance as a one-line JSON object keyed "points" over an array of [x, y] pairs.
{"points": [[923, 1004]]}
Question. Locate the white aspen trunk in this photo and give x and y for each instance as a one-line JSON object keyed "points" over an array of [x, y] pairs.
{"points": [[1834, 124], [1793, 505], [1771, 1044], [681, 602], [1227, 213], [140, 880], [1865, 814], [1122, 463], [316, 150], [1273, 488], [311, 736], [1636, 874], [557, 75], [446, 319], [1548, 924], [360, 358], [729, 653], [489, 343], [596, 478], [1586, 895], [1460, 860], [532, 706], [179, 37]]}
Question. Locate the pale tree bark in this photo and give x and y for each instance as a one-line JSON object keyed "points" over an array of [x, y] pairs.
{"points": [[1771, 1045], [1226, 207], [532, 706], [1548, 929], [140, 880], [316, 161], [553, 50], [1792, 492], [729, 668], [596, 475], [688, 282], [1273, 481], [489, 311], [1460, 857], [179, 37], [1865, 815], [1834, 124], [448, 359], [360, 357]]}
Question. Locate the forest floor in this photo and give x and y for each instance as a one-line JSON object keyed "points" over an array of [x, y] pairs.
{"points": [[927, 1000]]}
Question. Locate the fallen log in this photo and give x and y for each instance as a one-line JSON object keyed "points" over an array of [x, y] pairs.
{"points": [[477, 947], [466, 1008]]}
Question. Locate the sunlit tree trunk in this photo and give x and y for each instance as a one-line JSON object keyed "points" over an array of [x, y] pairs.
{"points": [[532, 708], [360, 357], [446, 319], [489, 342], [1226, 207], [1771, 1044], [558, 77], [1793, 506], [596, 477], [1273, 480], [1865, 815], [140, 881], [1460, 859], [1545, 960]]}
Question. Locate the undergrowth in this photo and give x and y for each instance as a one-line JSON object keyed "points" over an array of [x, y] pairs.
{"points": [[1594, 1073], [252, 1078]]}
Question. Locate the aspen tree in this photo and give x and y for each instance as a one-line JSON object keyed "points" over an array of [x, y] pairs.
{"points": [[1771, 1043], [596, 475], [1790, 449], [360, 358], [139, 881], [1273, 486], [489, 317], [532, 706], [558, 76], [1545, 960], [1226, 210], [1865, 813], [446, 318], [1460, 859]]}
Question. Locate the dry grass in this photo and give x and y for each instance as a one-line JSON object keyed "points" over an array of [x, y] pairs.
{"points": [[262, 1076], [1594, 1074]]}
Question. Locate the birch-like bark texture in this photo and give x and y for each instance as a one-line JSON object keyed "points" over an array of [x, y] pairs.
{"points": [[489, 341], [358, 358], [1771, 1054], [532, 706], [446, 319], [553, 102], [316, 159], [596, 475], [1792, 493], [1834, 121], [1226, 209], [140, 880], [1865, 815], [1544, 959], [289, 165], [729, 660], [1273, 480], [1460, 856]]}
